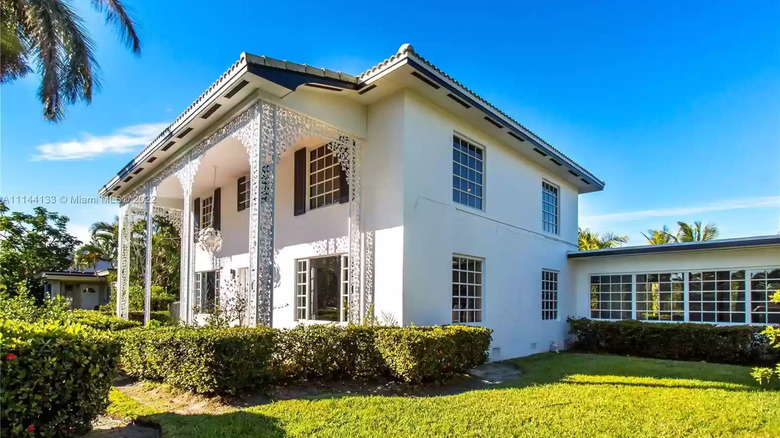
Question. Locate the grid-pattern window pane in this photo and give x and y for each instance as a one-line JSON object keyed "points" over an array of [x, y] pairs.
{"points": [[243, 193], [716, 296], [302, 289], [549, 294], [344, 287], [207, 290], [467, 173], [549, 207], [763, 285], [466, 289], [660, 297], [206, 212], [610, 296], [324, 172]]}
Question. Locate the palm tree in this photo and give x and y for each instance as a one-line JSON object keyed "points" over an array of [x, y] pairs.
{"points": [[696, 233], [51, 35], [589, 240], [660, 237]]}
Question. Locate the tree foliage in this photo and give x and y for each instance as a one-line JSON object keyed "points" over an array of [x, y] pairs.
{"points": [[31, 244], [51, 35], [686, 232], [589, 240]]}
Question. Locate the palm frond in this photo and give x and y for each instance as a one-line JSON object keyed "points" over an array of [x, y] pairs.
{"points": [[118, 15]]}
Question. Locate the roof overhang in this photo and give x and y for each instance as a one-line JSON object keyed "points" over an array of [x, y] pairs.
{"points": [[710, 245], [237, 88], [87, 277]]}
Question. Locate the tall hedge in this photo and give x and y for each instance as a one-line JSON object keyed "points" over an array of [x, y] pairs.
{"points": [[237, 359], [99, 320], [201, 360], [416, 354], [740, 345], [55, 378]]}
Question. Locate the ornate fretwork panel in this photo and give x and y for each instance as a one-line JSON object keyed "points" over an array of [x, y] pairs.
{"points": [[266, 131]]}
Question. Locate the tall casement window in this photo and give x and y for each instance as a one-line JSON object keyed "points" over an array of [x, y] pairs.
{"points": [[467, 173], [322, 288], [660, 297], [549, 294], [717, 296], [610, 296], [763, 284], [324, 171], [550, 207], [466, 289], [242, 193], [207, 212], [207, 290]]}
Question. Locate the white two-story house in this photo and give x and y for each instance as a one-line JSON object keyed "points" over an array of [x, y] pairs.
{"points": [[398, 194]]}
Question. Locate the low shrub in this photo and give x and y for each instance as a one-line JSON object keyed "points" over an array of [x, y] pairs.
{"points": [[56, 378], [23, 307], [740, 345], [212, 360], [156, 315], [100, 321], [201, 360], [329, 352], [417, 354]]}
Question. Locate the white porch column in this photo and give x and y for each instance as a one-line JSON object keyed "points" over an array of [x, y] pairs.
{"points": [[186, 176], [151, 193], [122, 268]]}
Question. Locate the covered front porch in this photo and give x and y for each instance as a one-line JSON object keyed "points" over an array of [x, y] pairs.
{"points": [[268, 211]]}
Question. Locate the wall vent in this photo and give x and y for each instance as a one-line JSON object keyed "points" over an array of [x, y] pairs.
{"points": [[457, 99], [236, 89], [185, 132], [494, 123], [516, 136], [151, 160], [426, 80], [139, 170], [170, 143], [367, 89], [540, 152], [211, 111]]}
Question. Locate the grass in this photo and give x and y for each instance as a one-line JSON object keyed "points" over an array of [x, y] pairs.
{"points": [[560, 395]]}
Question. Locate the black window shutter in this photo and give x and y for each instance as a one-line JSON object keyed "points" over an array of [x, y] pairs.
{"points": [[299, 191], [343, 186], [239, 183], [217, 209], [195, 218]]}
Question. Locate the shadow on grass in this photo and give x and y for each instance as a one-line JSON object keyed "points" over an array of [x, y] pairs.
{"points": [[550, 368], [234, 424]]}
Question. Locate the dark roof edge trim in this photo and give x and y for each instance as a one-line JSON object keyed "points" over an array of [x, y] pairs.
{"points": [[509, 124], [749, 242]]}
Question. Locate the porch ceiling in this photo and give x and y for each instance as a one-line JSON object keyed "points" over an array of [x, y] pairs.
{"points": [[236, 89]]}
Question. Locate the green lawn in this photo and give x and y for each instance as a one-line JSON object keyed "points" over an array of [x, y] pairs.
{"points": [[560, 395]]}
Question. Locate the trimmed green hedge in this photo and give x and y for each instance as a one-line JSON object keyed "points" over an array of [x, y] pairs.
{"points": [[100, 321], [163, 316], [56, 378], [201, 360], [232, 360], [417, 354], [740, 345]]}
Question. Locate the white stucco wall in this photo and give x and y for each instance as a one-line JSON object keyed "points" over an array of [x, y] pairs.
{"points": [[507, 234], [688, 261]]}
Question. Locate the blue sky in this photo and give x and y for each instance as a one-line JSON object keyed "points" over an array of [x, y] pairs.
{"points": [[676, 105]]}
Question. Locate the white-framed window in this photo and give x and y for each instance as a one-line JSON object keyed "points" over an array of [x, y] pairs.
{"points": [[324, 174], [550, 207], [206, 212], [660, 297], [764, 284], [468, 164], [716, 296], [610, 296], [243, 193], [466, 289], [207, 287], [321, 288], [549, 294]]}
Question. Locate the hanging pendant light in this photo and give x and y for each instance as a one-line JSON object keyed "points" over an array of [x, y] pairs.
{"points": [[210, 239]]}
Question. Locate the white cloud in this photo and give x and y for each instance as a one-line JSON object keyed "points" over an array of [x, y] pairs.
{"points": [[122, 141], [724, 205]]}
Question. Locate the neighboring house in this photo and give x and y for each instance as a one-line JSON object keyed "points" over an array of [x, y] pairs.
{"points": [[398, 193], [84, 289]]}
